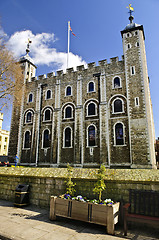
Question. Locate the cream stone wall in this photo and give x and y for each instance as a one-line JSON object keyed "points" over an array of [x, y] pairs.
{"points": [[4, 138]]}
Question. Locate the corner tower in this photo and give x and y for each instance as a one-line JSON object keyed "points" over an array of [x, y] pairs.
{"points": [[141, 125], [15, 141]]}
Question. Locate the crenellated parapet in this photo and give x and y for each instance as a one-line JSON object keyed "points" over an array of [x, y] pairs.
{"points": [[79, 69]]}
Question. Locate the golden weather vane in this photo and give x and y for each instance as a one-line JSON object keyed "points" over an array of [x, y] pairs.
{"points": [[131, 9]]}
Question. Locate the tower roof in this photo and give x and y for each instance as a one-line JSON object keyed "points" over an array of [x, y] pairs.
{"points": [[28, 59], [132, 25]]}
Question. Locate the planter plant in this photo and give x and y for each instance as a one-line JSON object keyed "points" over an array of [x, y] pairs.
{"points": [[103, 212]]}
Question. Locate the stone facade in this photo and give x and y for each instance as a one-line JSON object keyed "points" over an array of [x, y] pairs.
{"points": [[99, 114]]}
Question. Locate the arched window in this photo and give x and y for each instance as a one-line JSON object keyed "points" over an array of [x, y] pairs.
{"points": [[46, 138], [116, 82], [30, 99], [67, 137], [27, 138], [68, 112], [91, 109], [118, 106], [68, 91], [91, 136], [47, 115], [91, 87], [28, 117], [48, 94], [119, 136]]}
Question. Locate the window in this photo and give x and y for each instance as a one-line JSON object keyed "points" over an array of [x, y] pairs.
{"points": [[116, 82], [29, 117], [47, 115], [137, 44], [129, 45], [133, 70], [136, 101], [91, 136], [27, 138], [118, 106], [68, 112], [68, 91], [67, 137], [6, 139], [30, 99], [91, 87], [48, 94], [119, 138], [91, 109], [46, 139]]}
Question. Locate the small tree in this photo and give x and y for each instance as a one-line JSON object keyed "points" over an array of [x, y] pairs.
{"points": [[100, 185], [69, 184]]}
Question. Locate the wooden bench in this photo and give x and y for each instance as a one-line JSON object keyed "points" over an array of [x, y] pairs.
{"points": [[143, 207]]}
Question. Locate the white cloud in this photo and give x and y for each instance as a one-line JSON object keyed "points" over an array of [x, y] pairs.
{"points": [[42, 51]]}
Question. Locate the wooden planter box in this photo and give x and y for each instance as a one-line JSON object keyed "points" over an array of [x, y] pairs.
{"points": [[85, 211]]}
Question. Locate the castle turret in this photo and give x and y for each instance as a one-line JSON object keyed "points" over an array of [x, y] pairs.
{"points": [[27, 65], [138, 95], [29, 70]]}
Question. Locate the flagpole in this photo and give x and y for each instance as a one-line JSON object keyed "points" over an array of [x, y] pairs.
{"points": [[68, 43]]}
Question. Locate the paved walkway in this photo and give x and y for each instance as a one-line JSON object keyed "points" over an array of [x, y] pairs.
{"points": [[32, 223]]}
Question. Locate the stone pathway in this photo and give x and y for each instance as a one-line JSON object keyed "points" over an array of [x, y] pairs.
{"points": [[32, 223]]}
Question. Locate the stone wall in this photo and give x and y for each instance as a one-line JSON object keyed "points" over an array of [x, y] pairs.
{"points": [[45, 182]]}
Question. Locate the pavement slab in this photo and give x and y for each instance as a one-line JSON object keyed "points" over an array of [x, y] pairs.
{"points": [[32, 223]]}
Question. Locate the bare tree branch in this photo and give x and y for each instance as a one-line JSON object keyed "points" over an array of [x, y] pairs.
{"points": [[11, 78]]}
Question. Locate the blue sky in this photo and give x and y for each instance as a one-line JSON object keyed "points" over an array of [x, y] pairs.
{"points": [[97, 25]]}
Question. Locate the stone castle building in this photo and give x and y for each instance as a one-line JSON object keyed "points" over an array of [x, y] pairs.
{"points": [[99, 114]]}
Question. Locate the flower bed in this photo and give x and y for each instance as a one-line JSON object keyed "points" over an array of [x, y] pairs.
{"points": [[78, 208]]}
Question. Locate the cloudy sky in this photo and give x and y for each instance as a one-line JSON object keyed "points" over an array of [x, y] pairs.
{"points": [[97, 25], [42, 49]]}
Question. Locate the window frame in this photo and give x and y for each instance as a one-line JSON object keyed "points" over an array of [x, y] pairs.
{"points": [[29, 97], [64, 137], [46, 98], [123, 129], [67, 95], [113, 108], [137, 102], [132, 70], [44, 120], [88, 91], [114, 84], [46, 129], [128, 46], [24, 138], [91, 102], [32, 115], [71, 111], [95, 128]]}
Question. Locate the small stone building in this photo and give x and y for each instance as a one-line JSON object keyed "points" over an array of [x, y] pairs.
{"points": [[99, 114], [4, 138]]}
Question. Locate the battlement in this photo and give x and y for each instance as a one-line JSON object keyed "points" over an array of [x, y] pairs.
{"points": [[80, 69]]}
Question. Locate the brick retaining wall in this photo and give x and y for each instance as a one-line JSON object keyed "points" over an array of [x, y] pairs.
{"points": [[45, 182]]}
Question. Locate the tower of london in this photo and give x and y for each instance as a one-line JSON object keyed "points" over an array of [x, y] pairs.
{"points": [[94, 115]]}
